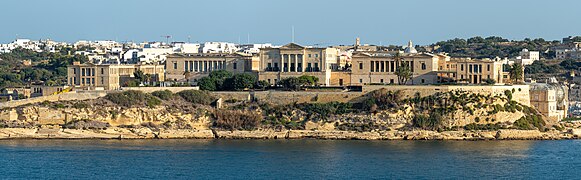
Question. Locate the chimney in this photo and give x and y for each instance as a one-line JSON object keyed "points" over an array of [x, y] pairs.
{"points": [[357, 41]]}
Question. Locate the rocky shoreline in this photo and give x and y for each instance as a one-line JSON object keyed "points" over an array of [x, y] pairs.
{"points": [[146, 133]]}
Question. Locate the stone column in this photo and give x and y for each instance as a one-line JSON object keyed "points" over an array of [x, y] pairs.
{"points": [[281, 65], [296, 62], [303, 63]]}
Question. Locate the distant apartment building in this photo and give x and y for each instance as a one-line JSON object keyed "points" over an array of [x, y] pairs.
{"points": [[293, 60], [570, 50], [187, 67], [550, 99], [109, 76]]}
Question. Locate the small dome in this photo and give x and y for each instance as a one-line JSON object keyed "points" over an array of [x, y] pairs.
{"points": [[410, 49]]}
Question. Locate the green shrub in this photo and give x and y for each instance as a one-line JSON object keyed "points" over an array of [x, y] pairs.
{"points": [[489, 127], [164, 95], [80, 105], [237, 120], [133, 98], [196, 96], [432, 122], [59, 106], [530, 122]]}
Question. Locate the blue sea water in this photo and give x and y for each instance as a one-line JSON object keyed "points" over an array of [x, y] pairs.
{"points": [[288, 159]]}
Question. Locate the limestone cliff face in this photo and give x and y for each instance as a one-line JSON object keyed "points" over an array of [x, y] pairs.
{"points": [[115, 116]]}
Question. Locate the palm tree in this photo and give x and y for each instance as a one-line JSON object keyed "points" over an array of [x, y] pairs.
{"points": [[403, 71], [516, 73]]}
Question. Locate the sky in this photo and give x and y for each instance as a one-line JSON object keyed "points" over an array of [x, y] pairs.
{"points": [[315, 22]]}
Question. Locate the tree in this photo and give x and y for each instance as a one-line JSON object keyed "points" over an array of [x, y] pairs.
{"points": [[139, 75], [207, 83], [307, 80], [403, 71], [490, 81], [242, 81], [220, 77], [262, 85], [291, 83], [569, 64], [147, 78], [516, 73]]}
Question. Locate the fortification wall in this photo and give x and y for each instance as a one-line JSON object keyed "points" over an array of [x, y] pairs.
{"points": [[152, 89], [58, 97], [285, 97], [520, 94]]}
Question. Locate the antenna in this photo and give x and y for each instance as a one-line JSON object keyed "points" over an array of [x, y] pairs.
{"points": [[166, 38], [293, 34]]}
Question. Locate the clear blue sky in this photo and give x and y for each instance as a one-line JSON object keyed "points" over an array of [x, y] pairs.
{"points": [[315, 21]]}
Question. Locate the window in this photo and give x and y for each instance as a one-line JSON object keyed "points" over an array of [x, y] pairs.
{"points": [[381, 80], [102, 80], [102, 71], [309, 55], [299, 67], [316, 66], [391, 81], [372, 65], [488, 67], [175, 65], [480, 68], [316, 55], [74, 70], [360, 65], [234, 66], [92, 80], [461, 67], [423, 81], [360, 80], [423, 66], [470, 68], [83, 72]]}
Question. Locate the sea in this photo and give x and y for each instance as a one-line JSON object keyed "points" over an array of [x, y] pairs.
{"points": [[288, 159]]}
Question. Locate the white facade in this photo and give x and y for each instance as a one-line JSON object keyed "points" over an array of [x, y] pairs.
{"points": [[218, 47], [252, 48], [527, 57]]}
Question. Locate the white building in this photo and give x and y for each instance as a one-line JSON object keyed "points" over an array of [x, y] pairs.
{"points": [[187, 48], [527, 57], [218, 47], [252, 48]]}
